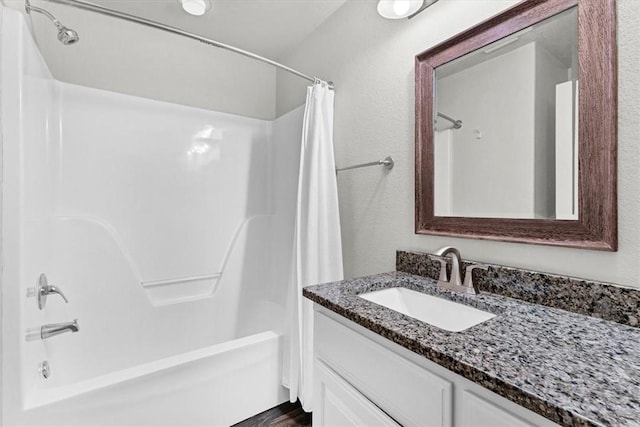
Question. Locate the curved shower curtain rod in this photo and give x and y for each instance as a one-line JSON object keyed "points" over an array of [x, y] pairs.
{"points": [[85, 5]]}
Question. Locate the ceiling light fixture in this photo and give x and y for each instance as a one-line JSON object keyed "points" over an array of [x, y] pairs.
{"points": [[398, 9], [195, 7]]}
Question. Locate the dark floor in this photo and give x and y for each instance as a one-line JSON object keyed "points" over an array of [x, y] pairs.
{"points": [[285, 415]]}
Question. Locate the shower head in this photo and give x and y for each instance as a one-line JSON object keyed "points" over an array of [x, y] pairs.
{"points": [[65, 35]]}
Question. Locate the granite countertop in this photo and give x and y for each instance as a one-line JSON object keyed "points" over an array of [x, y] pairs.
{"points": [[573, 369]]}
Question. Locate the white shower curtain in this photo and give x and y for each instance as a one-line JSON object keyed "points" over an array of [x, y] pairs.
{"points": [[317, 251]]}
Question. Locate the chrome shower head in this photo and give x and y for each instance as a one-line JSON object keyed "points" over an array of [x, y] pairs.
{"points": [[65, 35]]}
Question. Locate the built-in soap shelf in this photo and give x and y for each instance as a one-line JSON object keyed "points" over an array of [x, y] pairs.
{"points": [[181, 289]]}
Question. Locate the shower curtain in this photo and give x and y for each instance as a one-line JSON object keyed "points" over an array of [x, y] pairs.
{"points": [[317, 247]]}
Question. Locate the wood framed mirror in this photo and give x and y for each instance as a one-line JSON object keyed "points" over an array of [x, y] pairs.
{"points": [[553, 181]]}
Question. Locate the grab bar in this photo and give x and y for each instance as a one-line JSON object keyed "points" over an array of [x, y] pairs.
{"points": [[388, 164]]}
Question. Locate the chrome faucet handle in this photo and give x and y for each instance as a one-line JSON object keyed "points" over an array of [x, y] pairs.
{"points": [[468, 277], [443, 267], [58, 291], [43, 289]]}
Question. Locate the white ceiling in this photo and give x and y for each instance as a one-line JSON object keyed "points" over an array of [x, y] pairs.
{"points": [[270, 28]]}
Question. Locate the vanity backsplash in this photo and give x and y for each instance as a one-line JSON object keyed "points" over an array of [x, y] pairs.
{"points": [[588, 297]]}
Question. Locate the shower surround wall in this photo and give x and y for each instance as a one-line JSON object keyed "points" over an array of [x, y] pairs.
{"points": [[167, 227]]}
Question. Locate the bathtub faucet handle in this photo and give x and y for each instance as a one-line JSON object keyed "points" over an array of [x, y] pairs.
{"points": [[43, 289], [54, 290]]}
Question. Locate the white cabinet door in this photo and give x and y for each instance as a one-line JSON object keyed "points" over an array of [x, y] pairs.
{"points": [[479, 412], [337, 404]]}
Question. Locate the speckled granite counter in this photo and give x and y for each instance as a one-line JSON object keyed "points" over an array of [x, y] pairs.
{"points": [[573, 369]]}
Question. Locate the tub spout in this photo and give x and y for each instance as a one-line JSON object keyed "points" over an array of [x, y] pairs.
{"points": [[53, 329]]}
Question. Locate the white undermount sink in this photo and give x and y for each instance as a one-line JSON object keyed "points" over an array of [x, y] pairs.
{"points": [[439, 312]]}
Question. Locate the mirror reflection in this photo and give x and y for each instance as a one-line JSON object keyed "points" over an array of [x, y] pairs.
{"points": [[506, 119]]}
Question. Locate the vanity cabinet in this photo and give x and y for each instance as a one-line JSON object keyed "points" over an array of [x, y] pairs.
{"points": [[362, 379]]}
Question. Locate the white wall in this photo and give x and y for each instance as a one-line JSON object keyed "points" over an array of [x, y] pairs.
{"points": [[442, 148], [505, 142], [503, 155], [286, 135], [371, 61]]}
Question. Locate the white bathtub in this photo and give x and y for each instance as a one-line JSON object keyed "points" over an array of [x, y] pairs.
{"points": [[215, 386]]}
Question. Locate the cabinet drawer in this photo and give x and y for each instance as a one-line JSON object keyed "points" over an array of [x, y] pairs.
{"points": [[479, 412], [407, 392], [340, 405]]}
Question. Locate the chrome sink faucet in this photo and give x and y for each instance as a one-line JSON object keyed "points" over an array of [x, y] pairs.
{"points": [[454, 283], [456, 260], [54, 329]]}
